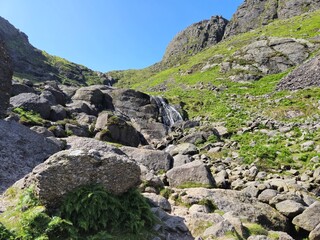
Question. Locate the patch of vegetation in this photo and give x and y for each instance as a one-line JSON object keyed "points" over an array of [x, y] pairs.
{"points": [[193, 185], [89, 212], [255, 229], [29, 117]]}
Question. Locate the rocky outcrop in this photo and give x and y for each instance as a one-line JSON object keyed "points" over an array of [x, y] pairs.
{"points": [[195, 38], [256, 13], [304, 76], [268, 55], [69, 169], [5, 79], [21, 149]]}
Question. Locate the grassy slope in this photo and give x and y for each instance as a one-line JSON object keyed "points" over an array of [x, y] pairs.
{"points": [[238, 102]]}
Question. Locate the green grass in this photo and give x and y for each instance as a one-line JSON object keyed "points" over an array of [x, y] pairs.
{"points": [[29, 117]]}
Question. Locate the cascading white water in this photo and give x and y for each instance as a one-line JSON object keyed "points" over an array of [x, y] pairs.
{"points": [[168, 113]]}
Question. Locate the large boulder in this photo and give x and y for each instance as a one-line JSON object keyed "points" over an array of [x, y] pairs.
{"points": [[117, 130], [21, 149], [306, 75], [134, 104], [67, 170], [153, 159], [5, 80], [32, 102], [256, 13], [95, 95], [195, 38], [191, 174], [309, 219]]}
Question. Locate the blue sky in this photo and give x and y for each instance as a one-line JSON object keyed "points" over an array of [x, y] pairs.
{"points": [[109, 34]]}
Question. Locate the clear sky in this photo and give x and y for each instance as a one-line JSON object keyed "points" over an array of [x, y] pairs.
{"points": [[109, 34]]}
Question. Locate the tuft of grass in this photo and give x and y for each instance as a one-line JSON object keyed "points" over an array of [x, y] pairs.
{"points": [[29, 117]]}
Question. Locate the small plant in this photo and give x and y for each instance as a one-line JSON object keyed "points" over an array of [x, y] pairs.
{"points": [[29, 117], [166, 192]]}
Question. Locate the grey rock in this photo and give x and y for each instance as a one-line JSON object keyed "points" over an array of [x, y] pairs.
{"points": [[42, 131], [81, 131], [290, 208], [119, 131], [69, 169], [179, 160], [251, 191], [266, 195], [195, 38], [59, 96], [158, 201], [21, 149], [196, 208], [5, 79], [267, 56], [315, 233], [309, 219], [258, 237], [184, 149], [241, 205], [94, 95], [219, 229], [253, 14], [190, 173], [79, 106], [18, 88], [32, 102], [57, 113], [153, 159]]}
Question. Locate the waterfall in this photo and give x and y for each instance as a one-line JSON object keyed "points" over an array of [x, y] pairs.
{"points": [[169, 114]]}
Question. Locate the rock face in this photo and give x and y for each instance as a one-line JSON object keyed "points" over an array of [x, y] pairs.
{"points": [[21, 149], [69, 169], [195, 38], [256, 13], [5, 79], [306, 75], [267, 56]]}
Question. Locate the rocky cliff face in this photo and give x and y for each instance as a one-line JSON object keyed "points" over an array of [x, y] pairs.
{"points": [[306, 75], [195, 38], [5, 79], [34, 64], [255, 13]]}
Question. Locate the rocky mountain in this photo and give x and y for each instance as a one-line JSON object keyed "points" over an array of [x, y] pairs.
{"points": [[231, 150], [195, 38], [36, 65], [256, 13], [5, 79]]}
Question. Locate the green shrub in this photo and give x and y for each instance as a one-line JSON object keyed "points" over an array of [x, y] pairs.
{"points": [[91, 209]]}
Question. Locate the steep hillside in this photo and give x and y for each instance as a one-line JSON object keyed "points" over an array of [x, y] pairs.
{"points": [[36, 65]]}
